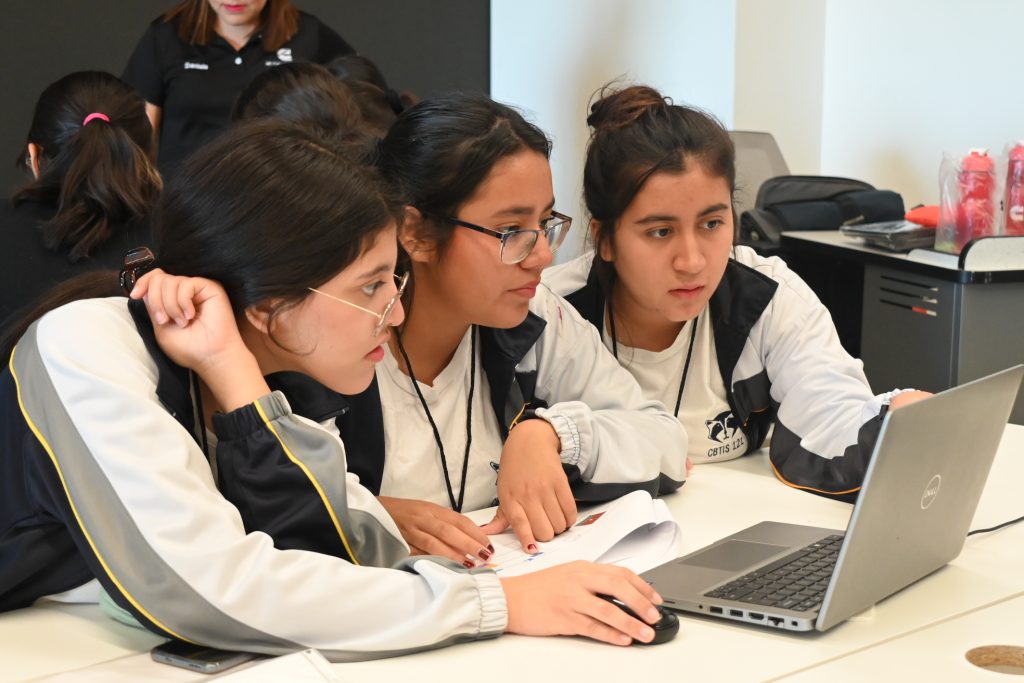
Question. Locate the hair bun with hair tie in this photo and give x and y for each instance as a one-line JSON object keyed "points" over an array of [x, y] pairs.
{"points": [[618, 108]]}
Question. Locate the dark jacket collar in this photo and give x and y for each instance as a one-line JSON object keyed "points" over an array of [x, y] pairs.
{"points": [[737, 304], [173, 383]]}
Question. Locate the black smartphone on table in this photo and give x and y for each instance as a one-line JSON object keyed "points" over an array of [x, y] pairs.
{"points": [[207, 660]]}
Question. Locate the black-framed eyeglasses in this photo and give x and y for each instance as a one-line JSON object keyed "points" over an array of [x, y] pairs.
{"points": [[384, 316], [517, 244]]}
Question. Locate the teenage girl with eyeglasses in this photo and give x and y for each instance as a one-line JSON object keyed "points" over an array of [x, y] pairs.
{"points": [[493, 391], [731, 342], [145, 454]]}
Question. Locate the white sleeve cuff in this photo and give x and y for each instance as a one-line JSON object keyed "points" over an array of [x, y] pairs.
{"points": [[572, 452]]}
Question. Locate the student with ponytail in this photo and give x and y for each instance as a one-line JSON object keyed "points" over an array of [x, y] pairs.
{"points": [[89, 153], [732, 343]]}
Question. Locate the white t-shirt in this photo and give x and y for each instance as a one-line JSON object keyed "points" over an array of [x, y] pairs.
{"points": [[412, 468], [712, 428]]}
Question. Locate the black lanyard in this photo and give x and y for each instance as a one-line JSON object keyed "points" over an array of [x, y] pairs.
{"points": [[456, 504], [686, 365]]}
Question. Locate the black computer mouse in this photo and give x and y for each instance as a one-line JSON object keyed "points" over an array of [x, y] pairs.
{"points": [[665, 629]]}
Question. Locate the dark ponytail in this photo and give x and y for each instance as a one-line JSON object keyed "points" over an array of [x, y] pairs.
{"points": [[638, 132], [98, 175]]}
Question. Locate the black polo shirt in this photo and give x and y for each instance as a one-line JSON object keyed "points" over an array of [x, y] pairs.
{"points": [[196, 85]]}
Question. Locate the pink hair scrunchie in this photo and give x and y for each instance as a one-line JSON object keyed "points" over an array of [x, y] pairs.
{"points": [[95, 115]]}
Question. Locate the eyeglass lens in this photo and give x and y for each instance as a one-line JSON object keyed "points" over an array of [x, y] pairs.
{"points": [[516, 246]]}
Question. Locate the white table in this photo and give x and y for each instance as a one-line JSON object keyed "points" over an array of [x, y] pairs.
{"points": [[719, 499], [936, 653]]}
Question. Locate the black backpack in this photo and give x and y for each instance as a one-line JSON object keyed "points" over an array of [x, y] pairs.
{"points": [[802, 202]]}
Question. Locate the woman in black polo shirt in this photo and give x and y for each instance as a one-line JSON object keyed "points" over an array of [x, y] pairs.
{"points": [[194, 59]]}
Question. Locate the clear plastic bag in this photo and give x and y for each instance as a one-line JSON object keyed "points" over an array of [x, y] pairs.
{"points": [[969, 203]]}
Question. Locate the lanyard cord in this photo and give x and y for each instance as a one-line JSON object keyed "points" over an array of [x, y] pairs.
{"points": [[686, 365], [456, 504]]}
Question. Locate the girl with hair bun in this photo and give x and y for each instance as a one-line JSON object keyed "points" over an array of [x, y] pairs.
{"points": [[89, 149], [731, 342]]}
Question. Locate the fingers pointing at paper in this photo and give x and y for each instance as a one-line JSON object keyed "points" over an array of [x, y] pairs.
{"points": [[534, 497]]}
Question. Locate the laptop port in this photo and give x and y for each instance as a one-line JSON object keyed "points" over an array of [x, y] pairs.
{"points": [[776, 621], [736, 613], [755, 615], [715, 610]]}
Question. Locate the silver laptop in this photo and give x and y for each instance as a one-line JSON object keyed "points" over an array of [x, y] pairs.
{"points": [[919, 495]]}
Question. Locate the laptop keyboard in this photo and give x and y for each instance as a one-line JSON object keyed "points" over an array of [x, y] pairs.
{"points": [[795, 582]]}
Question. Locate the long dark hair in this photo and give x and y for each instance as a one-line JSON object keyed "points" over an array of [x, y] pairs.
{"points": [[303, 93], [267, 209], [438, 152], [196, 20], [638, 132], [98, 175]]}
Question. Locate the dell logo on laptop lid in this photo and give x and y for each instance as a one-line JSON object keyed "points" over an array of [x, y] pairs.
{"points": [[931, 491]]}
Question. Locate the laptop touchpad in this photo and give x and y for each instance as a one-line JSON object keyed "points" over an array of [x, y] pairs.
{"points": [[734, 555]]}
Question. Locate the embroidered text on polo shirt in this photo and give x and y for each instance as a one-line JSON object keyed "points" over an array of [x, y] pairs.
{"points": [[197, 65]]}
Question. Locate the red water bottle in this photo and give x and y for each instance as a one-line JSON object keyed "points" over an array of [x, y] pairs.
{"points": [[976, 215], [1015, 191]]}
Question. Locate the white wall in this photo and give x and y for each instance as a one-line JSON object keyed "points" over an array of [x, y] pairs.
{"points": [[871, 89], [906, 80], [780, 50], [549, 57]]}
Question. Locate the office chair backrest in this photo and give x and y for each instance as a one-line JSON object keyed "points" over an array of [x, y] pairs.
{"points": [[758, 158]]}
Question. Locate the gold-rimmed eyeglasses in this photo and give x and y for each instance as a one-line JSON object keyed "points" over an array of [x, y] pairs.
{"points": [[383, 316]]}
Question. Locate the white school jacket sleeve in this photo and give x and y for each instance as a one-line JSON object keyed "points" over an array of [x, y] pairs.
{"points": [[167, 545], [827, 416], [618, 440]]}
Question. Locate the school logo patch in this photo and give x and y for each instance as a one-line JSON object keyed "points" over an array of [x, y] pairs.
{"points": [[285, 54], [723, 427]]}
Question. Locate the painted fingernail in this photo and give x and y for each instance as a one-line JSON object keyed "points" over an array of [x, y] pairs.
{"points": [[490, 546], [467, 564], [532, 548], [484, 554]]}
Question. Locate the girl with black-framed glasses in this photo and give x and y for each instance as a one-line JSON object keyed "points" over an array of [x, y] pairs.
{"points": [[493, 391]]}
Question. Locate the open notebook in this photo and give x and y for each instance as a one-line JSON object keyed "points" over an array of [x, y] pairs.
{"points": [[634, 531]]}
